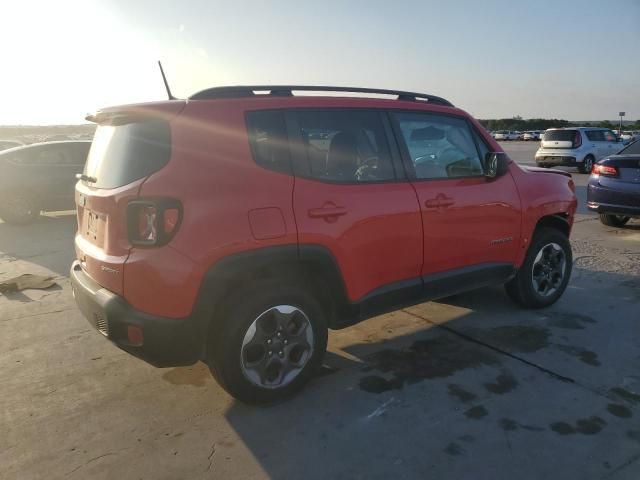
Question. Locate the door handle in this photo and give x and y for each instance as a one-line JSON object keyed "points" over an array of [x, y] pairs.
{"points": [[327, 212], [439, 202]]}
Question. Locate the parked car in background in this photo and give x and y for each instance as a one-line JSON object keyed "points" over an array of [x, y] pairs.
{"points": [[6, 144], [579, 147], [531, 135], [505, 135], [630, 136], [39, 177], [240, 243], [614, 187]]}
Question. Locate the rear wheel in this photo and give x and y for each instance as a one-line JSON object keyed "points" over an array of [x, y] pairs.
{"points": [[613, 220], [268, 342], [587, 164], [545, 272], [18, 207]]}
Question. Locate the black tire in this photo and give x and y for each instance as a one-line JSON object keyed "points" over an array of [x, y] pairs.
{"points": [[19, 207], [613, 220], [587, 164], [522, 288], [225, 350]]}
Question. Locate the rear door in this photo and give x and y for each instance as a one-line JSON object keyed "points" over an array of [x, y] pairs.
{"points": [[350, 197], [470, 223]]}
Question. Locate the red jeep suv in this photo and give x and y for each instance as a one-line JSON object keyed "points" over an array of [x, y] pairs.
{"points": [[237, 226]]}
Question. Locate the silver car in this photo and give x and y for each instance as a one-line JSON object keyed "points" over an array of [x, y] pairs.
{"points": [[579, 147]]}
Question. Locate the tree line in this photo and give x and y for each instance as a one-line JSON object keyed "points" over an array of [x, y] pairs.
{"points": [[520, 124]]}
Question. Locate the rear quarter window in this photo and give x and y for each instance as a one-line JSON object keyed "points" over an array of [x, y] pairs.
{"points": [[121, 154], [559, 135], [269, 141]]}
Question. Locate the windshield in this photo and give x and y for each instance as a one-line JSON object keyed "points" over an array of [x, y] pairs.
{"points": [[559, 135]]}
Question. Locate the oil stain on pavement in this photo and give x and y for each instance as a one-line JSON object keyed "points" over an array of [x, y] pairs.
{"points": [[630, 397], [585, 426], [476, 412], [460, 393], [437, 357], [585, 356], [504, 383], [619, 410]]}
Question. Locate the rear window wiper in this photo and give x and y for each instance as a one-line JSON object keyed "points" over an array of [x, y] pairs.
{"points": [[86, 178]]}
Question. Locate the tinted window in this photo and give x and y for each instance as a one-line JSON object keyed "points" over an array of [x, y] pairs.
{"points": [[559, 135], [268, 138], [345, 146], [609, 136], [124, 153], [596, 135], [631, 149], [439, 146]]}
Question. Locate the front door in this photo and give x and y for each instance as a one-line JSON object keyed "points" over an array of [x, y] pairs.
{"points": [[470, 222], [351, 198]]}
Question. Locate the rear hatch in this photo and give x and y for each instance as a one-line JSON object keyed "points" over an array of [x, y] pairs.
{"points": [[130, 144], [561, 139]]}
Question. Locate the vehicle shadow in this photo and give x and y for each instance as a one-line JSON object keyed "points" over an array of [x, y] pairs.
{"points": [[397, 409], [47, 242]]}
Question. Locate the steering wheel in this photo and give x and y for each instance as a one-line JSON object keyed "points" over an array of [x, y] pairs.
{"points": [[425, 158], [367, 170]]}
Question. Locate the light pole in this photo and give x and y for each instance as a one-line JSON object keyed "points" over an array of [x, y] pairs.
{"points": [[620, 130]]}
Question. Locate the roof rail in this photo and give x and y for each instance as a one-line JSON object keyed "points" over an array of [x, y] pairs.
{"points": [[287, 91]]}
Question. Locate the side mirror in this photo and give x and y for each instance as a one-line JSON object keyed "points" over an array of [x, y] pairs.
{"points": [[495, 164]]}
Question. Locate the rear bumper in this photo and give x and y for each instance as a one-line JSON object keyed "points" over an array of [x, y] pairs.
{"points": [[614, 209], [557, 160], [166, 342], [606, 200]]}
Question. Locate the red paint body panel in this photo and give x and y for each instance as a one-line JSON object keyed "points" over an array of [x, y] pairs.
{"points": [[481, 224], [377, 241]]}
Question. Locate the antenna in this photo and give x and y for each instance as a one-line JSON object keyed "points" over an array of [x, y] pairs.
{"points": [[166, 85]]}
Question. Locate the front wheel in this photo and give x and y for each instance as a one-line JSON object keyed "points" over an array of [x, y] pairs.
{"points": [[613, 220], [545, 272], [268, 341]]}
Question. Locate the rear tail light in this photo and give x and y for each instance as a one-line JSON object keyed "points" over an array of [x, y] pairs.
{"points": [[577, 139], [604, 170], [152, 223]]}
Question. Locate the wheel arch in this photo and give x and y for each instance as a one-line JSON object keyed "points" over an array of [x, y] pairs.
{"points": [[311, 265]]}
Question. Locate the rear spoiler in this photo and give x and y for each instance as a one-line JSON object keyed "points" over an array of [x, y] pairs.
{"points": [[122, 115]]}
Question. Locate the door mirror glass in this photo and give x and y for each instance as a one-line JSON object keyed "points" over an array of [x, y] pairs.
{"points": [[495, 164]]}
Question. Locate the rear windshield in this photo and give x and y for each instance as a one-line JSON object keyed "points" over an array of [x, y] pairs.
{"points": [[121, 154], [631, 149], [559, 135]]}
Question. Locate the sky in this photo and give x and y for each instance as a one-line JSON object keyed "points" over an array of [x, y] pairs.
{"points": [[571, 59]]}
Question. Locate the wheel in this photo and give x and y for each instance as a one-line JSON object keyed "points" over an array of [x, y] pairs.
{"points": [[545, 272], [587, 164], [18, 208], [268, 342], [613, 220]]}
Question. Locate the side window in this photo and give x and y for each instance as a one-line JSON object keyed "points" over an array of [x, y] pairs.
{"points": [[269, 142], [595, 135], [439, 146], [345, 146], [609, 136]]}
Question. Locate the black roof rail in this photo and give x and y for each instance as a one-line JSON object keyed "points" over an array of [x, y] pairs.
{"points": [[287, 91]]}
